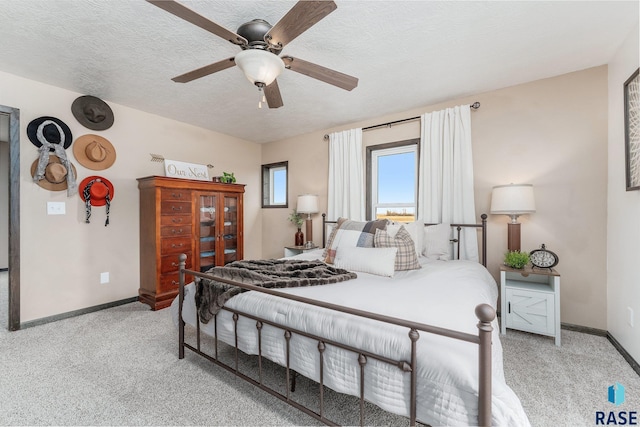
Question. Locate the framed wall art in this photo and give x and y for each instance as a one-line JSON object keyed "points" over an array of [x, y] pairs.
{"points": [[632, 130]]}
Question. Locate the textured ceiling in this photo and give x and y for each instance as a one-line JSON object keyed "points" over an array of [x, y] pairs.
{"points": [[406, 54]]}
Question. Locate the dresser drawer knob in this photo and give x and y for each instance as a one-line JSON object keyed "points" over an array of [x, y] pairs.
{"points": [[179, 230], [176, 220], [176, 208], [177, 246], [176, 195], [174, 264], [173, 282]]}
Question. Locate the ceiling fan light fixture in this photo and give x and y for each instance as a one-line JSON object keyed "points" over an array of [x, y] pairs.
{"points": [[259, 66]]}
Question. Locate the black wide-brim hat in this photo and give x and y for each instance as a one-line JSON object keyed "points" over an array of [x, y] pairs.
{"points": [[92, 112], [50, 132]]}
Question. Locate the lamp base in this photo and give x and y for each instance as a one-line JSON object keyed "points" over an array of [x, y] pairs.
{"points": [[309, 231], [513, 237]]}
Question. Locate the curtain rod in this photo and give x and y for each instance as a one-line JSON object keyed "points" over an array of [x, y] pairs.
{"points": [[473, 106]]}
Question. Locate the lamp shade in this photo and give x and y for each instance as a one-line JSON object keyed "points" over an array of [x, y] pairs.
{"points": [[512, 199], [307, 203], [259, 66]]}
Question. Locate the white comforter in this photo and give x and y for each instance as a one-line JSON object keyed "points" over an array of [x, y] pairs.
{"points": [[442, 294]]}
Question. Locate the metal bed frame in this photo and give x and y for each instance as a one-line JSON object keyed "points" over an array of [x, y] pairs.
{"points": [[484, 312]]}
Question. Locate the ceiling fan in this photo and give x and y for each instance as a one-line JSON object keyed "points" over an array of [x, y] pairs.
{"points": [[261, 45]]}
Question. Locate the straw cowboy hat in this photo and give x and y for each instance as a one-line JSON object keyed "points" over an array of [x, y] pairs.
{"points": [[49, 131], [55, 174], [96, 191], [92, 112], [94, 152]]}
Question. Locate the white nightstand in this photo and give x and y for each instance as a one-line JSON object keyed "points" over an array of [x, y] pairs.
{"points": [[296, 250], [530, 301]]}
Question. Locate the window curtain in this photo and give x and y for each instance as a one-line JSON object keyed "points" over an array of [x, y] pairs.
{"points": [[346, 176], [446, 174]]}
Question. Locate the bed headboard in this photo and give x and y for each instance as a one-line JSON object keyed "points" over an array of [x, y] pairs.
{"points": [[457, 229]]}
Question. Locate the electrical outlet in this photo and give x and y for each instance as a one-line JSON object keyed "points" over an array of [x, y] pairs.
{"points": [[56, 208], [630, 316], [104, 278]]}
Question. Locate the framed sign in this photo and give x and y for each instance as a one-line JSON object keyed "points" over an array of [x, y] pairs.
{"points": [[632, 130], [176, 169]]}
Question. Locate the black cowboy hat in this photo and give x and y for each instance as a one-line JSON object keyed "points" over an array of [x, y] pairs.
{"points": [[50, 132]]}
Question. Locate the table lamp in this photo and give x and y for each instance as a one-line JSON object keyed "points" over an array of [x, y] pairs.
{"points": [[513, 200], [308, 203]]}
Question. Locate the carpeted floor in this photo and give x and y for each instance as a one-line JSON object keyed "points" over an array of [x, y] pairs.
{"points": [[119, 367], [565, 386]]}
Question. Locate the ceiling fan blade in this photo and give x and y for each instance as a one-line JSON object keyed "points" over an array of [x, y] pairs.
{"points": [[302, 16], [205, 71], [195, 18], [321, 73], [272, 93]]}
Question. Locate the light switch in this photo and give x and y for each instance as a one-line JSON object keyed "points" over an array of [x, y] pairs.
{"points": [[104, 277], [56, 208]]}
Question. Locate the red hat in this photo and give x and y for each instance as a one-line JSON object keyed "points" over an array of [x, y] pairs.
{"points": [[96, 191]]}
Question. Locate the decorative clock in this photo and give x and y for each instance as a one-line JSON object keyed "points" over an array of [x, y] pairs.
{"points": [[543, 258]]}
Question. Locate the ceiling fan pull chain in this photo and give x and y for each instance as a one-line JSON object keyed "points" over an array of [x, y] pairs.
{"points": [[261, 98]]}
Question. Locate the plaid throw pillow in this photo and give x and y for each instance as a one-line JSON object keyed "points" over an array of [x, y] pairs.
{"points": [[350, 233], [406, 258]]}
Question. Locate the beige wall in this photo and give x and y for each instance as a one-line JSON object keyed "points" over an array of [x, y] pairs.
{"points": [[551, 133], [623, 225], [61, 256]]}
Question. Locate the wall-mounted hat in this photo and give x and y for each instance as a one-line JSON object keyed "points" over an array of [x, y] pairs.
{"points": [[94, 152], [49, 130], [92, 112], [55, 174], [96, 191]]}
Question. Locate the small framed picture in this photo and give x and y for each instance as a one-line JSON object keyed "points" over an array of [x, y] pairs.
{"points": [[632, 130]]}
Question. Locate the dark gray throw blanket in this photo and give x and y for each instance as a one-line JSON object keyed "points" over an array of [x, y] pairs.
{"points": [[211, 295]]}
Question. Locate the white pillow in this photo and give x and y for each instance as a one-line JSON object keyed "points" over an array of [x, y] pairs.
{"points": [[415, 230], [437, 244], [379, 261], [349, 233]]}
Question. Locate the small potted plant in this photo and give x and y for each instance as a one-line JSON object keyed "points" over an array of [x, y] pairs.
{"points": [[228, 178], [297, 220], [516, 259]]}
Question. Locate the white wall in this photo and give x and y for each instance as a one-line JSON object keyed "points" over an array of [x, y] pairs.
{"points": [[61, 256], [623, 222]]}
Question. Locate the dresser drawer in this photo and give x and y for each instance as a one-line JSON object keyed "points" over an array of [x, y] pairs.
{"points": [[171, 263], [175, 230], [171, 282], [170, 207], [175, 245], [175, 220], [168, 194]]}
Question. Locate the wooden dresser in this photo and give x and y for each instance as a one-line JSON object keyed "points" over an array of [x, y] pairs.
{"points": [[199, 218]]}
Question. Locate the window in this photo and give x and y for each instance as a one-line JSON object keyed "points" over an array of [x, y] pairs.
{"points": [[392, 177], [274, 185]]}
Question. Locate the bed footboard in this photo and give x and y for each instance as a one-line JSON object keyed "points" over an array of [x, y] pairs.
{"points": [[484, 312]]}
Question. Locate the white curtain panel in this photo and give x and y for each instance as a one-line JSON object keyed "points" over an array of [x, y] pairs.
{"points": [[346, 176], [446, 174]]}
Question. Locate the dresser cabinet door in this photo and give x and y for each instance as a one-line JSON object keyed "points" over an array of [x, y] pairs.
{"points": [[229, 240], [207, 230]]}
